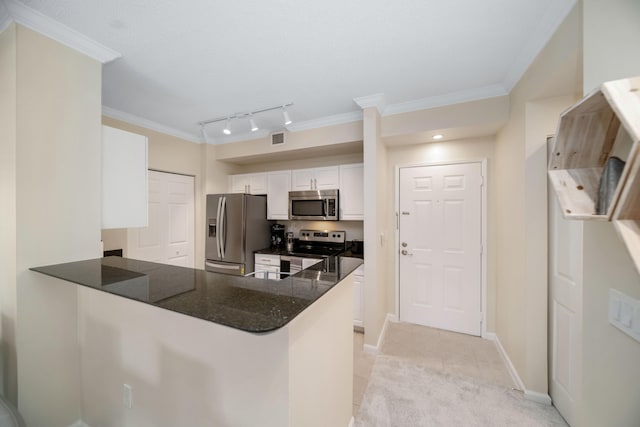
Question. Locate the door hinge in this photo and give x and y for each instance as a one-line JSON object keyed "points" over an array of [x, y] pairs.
{"points": [[481, 180]]}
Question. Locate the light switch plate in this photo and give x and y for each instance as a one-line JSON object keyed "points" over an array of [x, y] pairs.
{"points": [[624, 313]]}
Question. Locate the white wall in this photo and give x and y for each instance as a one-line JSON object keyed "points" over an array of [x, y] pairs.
{"points": [[58, 206], [611, 375]]}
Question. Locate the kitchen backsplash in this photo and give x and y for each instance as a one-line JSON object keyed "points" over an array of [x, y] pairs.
{"points": [[353, 229]]}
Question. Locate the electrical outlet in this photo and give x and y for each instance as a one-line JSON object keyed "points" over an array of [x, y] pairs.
{"points": [[127, 396]]}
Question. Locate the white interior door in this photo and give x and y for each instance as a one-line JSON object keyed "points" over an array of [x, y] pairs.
{"points": [[170, 236], [441, 246], [565, 314]]}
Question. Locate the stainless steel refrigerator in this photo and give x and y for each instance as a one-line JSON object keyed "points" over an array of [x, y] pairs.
{"points": [[236, 227]]}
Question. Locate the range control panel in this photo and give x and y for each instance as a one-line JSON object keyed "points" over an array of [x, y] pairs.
{"points": [[322, 236]]}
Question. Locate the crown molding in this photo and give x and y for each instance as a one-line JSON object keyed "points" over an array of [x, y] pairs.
{"points": [[36, 21], [337, 119], [475, 94], [553, 17], [149, 124], [376, 100], [5, 16]]}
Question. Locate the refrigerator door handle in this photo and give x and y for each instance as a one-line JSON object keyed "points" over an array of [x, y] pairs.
{"points": [[223, 227], [219, 228]]}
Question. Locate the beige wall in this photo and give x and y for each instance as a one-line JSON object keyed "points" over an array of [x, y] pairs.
{"points": [[302, 162], [8, 300], [296, 142], [611, 375], [610, 41], [449, 151], [185, 371], [376, 236], [58, 205], [168, 154], [549, 85]]}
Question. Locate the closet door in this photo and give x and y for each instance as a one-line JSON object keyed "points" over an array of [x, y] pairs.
{"points": [[170, 236]]}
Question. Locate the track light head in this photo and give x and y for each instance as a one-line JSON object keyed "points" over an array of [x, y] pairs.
{"points": [[285, 115], [252, 123], [227, 128]]}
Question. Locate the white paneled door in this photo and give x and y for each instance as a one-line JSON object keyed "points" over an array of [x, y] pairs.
{"points": [[170, 236], [565, 313], [440, 269]]}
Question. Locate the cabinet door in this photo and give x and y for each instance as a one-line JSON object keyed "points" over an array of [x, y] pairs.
{"points": [[358, 298], [278, 186], [124, 179], [258, 183], [352, 192], [308, 262], [327, 178], [302, 179], [238, 183]]}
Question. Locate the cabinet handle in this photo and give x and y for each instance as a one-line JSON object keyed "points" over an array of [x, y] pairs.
{"points": [[315, 183]]}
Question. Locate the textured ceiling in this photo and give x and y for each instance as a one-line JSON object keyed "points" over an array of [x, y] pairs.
{"points": [[192, 60]]}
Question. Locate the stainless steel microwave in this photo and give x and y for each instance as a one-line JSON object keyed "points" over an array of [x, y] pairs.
{"points": [[318, 205]]}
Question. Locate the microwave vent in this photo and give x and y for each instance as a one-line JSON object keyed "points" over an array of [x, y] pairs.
{"points": [[277, 138]]}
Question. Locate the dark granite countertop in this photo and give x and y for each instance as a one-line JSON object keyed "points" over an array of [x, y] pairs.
{"points": [[246, 303]]}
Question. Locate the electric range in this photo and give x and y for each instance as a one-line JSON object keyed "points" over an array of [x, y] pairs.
{"points": [[321, 245]]}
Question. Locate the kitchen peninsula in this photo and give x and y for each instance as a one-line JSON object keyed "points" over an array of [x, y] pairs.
{"points": [[202, 348]]}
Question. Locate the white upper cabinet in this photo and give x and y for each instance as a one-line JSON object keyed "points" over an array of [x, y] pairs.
{"points": [[278, 186], [124, 179], [250, 183], [352, 192], [326, 178]]}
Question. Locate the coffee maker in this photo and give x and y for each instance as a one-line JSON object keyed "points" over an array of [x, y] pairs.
{"points": [[277, 236]]}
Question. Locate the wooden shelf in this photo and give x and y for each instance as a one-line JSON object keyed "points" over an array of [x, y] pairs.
{"points": [[605, 123]]}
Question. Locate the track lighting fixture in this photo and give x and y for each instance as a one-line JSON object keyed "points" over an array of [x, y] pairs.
{"points": [[285, 115], [252, 123]]}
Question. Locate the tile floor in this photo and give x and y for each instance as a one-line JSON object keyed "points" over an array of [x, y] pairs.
{"points": [[443, 350]]}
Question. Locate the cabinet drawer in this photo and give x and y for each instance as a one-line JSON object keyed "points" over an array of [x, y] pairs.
{"points": [[267, 259]]}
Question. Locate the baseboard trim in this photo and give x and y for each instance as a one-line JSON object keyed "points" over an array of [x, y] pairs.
{"points": [[375, 349], [534, 396], [352, 421], [505, 357], [543, 398]]}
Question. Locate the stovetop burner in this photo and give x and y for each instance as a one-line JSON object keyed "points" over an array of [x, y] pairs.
{"points": [[320, 242]]}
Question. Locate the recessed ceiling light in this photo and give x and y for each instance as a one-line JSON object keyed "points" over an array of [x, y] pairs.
{"points": [[227, 128], [438, 136]]}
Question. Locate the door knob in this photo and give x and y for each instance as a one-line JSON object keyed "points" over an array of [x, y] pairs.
{"points": [[404, 252]]}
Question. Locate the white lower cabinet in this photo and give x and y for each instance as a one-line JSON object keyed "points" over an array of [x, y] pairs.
{"points": [[267, 266], [358, 297]]}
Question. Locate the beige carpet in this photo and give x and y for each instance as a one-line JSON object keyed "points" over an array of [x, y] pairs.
{"points": [[402, 393]]}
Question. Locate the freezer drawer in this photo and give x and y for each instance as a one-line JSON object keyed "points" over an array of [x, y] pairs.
{"points": [[225, 268]]}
